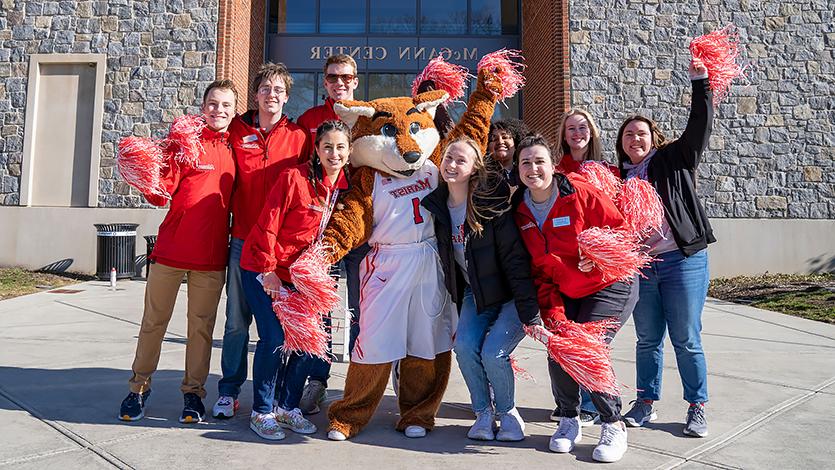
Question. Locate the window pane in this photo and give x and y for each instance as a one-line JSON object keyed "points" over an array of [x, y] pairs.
{"points": [[389, 17], [384, 85], [456, 108], [494, 17], [509, 111], [291, 16], [341, 16], [443, 16], [302, 95]]}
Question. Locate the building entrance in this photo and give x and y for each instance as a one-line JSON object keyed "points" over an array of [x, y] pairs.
{"points": [[391, 42]]}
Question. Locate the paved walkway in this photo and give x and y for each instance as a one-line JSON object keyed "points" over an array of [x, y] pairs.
{"points": [[65, 360]]}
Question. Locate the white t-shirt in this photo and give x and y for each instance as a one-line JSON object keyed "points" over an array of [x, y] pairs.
{"points": [[458, 217]]}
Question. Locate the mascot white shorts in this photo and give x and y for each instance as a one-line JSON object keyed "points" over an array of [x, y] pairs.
{"points": [[405, 308]]}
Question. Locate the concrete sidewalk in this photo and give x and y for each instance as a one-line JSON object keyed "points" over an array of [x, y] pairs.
{"points": [[65, 360]]}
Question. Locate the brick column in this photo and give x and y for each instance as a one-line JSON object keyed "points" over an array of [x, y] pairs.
{"points": [[240, 44], [545, 46]]}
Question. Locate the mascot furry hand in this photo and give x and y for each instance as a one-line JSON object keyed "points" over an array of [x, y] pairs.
{"points": [[395, 137]]}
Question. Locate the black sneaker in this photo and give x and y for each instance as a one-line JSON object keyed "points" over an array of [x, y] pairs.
{"points": [[588, 418], [696, 425], [555, 416], [193, 409], [133, 406]]}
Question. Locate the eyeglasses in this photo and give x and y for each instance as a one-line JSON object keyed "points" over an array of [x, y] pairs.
{"points": [[265, 90], [334, 77]]}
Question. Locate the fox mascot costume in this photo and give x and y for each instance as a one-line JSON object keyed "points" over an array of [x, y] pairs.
{"points": [[407, 313]]}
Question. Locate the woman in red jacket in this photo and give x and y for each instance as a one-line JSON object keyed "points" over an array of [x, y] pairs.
{"points": [[297, 210], [550, 212], [579, 141]]}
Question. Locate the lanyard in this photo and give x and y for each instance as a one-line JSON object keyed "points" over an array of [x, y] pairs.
{"points": [[326, 214]]}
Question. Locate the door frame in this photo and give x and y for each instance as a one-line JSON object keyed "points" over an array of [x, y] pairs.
{"points": [[99, 61]]}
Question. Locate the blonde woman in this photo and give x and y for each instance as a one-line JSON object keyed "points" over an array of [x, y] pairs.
{"points": [[579, 140], [487, 272]]}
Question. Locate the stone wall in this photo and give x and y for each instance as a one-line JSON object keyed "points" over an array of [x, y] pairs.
{"points": [[161, 54], [771, 153]]}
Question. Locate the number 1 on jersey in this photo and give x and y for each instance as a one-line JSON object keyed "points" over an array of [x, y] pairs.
{"points": [[416, 207]]}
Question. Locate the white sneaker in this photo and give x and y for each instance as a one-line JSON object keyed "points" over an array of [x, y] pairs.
{"points": [[266, 426], [612, 444], [567, 436], [511, 426], [335, 435], [225, 407], [415, 431], [484, 427], [294, 421]]}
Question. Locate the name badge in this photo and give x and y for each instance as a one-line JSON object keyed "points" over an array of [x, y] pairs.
{"points": [[250, 138], [528, 225], [561, 221], [205, 167]]}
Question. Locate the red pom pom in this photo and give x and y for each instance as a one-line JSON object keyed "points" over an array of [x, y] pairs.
{"points": [[310, 274], [448, 77], [184, 139], [304, 331], [614, 252], [719, 51], [641, 207], [518, 371], [509, 67], [141, 162], [601, 177], [582, 353]]}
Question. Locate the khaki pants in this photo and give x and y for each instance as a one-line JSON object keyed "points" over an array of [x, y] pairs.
{"points": [[204, 288]]}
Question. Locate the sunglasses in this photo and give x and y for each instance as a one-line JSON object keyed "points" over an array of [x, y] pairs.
{"points": [[334, 77]]}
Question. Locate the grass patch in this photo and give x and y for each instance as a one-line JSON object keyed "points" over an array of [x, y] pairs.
{"points": [[15, 282], [808, 296]]}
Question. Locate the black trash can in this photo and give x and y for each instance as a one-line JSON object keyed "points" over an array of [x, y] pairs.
{"points": [[150, 241], [116, 248]]}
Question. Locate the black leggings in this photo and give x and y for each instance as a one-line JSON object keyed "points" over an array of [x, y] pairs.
{"points": [[616, 301]]}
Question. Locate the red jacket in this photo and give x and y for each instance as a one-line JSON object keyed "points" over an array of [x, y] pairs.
{"points": [[554, 249], [289, 221], [569, 165], [260, 158], [195, 232], [316, 115]]}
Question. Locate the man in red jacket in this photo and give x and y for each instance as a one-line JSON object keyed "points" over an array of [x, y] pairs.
{"points": [[340, 81], [265, 142], [192, 242]]}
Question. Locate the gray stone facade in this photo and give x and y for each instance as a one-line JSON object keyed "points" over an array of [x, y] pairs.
{"points": [[771, 154], [161, 54]]}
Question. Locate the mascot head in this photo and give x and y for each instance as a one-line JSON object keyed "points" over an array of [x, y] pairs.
{"points": [[393, 135]]}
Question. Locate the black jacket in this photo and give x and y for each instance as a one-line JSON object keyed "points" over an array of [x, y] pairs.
{"points": [[672, 172], [498, 266]]}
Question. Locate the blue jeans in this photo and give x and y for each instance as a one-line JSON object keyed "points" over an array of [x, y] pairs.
{"points": [[483, 343], [671, 299], [233, 356], [272, 379]]}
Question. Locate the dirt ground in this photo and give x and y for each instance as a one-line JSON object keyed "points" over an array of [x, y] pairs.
{"points": [[808, 296]]}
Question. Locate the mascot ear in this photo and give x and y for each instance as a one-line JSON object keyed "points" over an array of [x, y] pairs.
{"points": [[430, 100], [350, 111]]}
